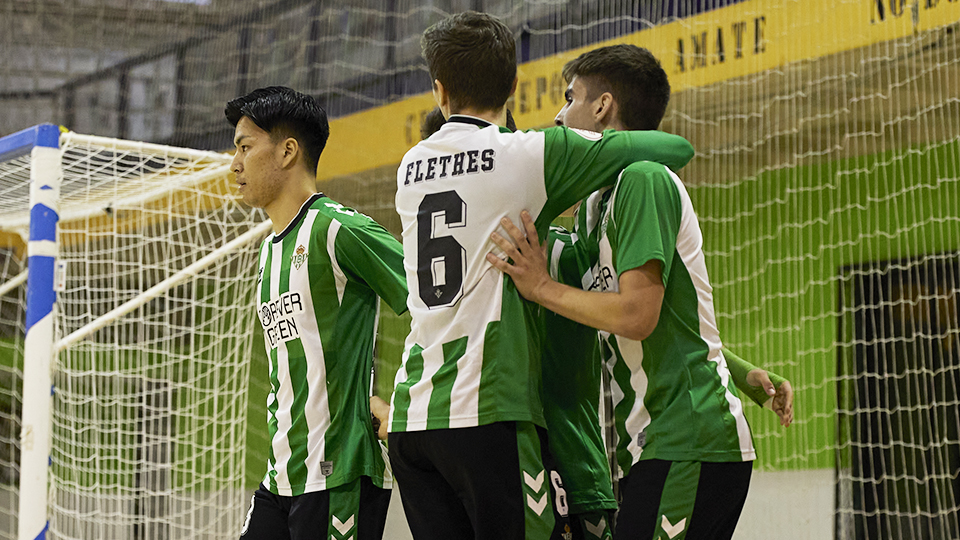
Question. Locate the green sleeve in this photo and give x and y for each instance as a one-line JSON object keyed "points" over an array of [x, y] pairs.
{"points": [[576, 163], [370, 254], [738, 370], [645, 221]]}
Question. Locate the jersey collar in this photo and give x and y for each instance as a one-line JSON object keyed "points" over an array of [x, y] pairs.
{"points": [[464, 119], [295, 221]]}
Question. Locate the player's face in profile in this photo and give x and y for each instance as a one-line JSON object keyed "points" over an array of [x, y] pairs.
{"points": [[256, 164], [579, 110]]}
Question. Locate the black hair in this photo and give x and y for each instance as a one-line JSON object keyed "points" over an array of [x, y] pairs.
{"points": [[283, 112]]}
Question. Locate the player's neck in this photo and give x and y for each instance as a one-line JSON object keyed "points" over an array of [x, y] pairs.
{"points": [[288, 203], [615, 125]]}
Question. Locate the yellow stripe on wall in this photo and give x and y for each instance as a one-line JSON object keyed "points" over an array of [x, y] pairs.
{"points": [[738, 40]]}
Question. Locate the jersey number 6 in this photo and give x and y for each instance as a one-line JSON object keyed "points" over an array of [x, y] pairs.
{"points": [[440, 259]]}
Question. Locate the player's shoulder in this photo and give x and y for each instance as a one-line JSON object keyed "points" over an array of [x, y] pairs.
{"points": [[647, 168], [333, 210], [566, 135], [647, 175], [354, 223]]}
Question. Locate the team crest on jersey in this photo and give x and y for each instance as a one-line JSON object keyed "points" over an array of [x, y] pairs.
{"points": [[299, 257]]}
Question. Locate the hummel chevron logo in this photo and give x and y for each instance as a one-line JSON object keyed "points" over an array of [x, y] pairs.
{"points": [[535, 505], [596, 530], [671, 529], [343, 527], [534, 483]]}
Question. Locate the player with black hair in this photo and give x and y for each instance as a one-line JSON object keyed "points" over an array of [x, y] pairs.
{"points": [[322, 274]]}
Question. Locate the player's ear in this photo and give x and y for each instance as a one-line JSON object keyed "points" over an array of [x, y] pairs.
{"points": [[289, 152], [441, 97], [605, 110]]}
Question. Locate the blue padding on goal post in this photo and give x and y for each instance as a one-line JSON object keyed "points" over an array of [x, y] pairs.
{"points": [[21, 142], [43, 223], [43, 533], [40, 294]]}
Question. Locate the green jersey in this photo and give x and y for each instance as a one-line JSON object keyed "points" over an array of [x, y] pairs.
{"points": [[572, 382], [674, 398], [473, 353], [320, 284]]}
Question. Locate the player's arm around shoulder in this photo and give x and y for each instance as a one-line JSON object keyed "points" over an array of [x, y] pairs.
{"points": [[657, 146], [578, 162], [631, 312]]}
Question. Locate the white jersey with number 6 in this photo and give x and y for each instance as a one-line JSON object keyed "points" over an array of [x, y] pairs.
{"points": [[473, 353]]}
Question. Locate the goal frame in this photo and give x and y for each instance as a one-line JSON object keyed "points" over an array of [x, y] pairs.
{"points": [[44, 147], [42, 142]]}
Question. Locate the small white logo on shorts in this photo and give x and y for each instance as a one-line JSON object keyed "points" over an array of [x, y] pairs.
{"points": [[343, 527], [671, 529], [598, 529], [536, 485]]}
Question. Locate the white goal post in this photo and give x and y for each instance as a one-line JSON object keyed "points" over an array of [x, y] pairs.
{"points": [[138, 330]]}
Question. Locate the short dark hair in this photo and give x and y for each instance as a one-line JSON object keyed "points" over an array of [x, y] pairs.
{"points": [[632, 75], [283, 112], [474, 56]]}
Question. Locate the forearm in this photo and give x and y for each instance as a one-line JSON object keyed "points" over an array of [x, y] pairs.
{"points": [[739, 368], [611, 312]]}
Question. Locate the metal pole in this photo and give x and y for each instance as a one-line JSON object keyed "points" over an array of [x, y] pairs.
{"points": [[45, 173]]}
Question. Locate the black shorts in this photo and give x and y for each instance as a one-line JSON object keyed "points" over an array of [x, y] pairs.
{"points": [[478, 482], [355, 510], [680, 500]]}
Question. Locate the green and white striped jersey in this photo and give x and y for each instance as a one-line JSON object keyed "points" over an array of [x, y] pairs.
{"points": [[674, 398], [319, 286], [473, 353]]}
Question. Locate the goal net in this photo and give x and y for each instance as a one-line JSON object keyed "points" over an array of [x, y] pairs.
{"points": [[12, 301], [826, 181], [827, 186], [153, 333]]}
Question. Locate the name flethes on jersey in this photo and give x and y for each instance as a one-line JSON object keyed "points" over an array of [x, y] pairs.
{"points": [[469, 162], [277, 318]]}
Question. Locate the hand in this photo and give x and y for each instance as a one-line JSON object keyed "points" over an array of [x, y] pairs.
{"points": [[781, 399], [529, 256], [381, 416]]}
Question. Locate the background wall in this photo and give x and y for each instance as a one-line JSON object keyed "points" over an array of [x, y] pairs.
{"points": [[826, 182]]}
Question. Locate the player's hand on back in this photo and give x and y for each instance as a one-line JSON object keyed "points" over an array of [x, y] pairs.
{"points": [[527, 257]]}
